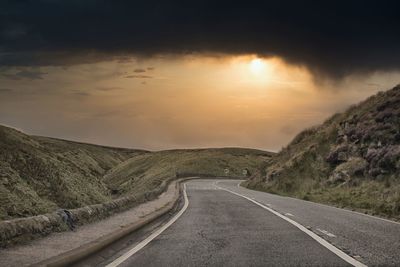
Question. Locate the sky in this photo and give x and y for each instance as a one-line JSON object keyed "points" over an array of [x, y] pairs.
{"points": [[174, 74]]}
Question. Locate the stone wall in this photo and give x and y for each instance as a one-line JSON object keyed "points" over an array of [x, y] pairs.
{"points": [[24, 229]]}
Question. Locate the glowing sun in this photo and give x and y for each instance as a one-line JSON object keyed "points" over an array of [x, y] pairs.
{"points": [[257, 65]]}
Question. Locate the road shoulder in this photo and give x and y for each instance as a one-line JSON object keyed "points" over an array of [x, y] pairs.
{"points": [[90, 235]]}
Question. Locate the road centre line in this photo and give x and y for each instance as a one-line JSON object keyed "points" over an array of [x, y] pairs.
{"points": [[317, 238]]}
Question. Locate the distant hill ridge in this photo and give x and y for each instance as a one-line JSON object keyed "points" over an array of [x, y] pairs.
{"points": [[41, 174], [351, 160]]}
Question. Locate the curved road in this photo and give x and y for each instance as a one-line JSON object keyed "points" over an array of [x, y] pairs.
{"points": [[223, 224], [371, 240], [220, 228]]}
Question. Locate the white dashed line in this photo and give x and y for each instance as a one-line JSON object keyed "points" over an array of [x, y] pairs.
{"points": [[317, 238], [326, 232]]}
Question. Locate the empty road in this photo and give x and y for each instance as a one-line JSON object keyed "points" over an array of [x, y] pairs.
{"points": [[223, 224], [371, 240], [227, 225]]}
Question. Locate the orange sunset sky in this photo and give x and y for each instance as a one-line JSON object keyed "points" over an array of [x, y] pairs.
{"points": [[184, 101]]}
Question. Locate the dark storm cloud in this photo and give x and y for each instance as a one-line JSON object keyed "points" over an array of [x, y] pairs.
{"points": [[80, 93], [25, 74], [108, 88], [329, 37], [139, 77], [139, 70]]}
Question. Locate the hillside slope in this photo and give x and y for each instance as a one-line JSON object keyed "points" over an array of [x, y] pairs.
{"points": [[351, 160], [146, 171], [39, 174]]}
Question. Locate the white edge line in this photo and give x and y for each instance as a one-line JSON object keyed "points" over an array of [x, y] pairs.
{"points": [[325, 205], [320, 240], [143, 243]]}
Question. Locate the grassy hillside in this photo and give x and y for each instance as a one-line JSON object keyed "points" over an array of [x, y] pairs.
{"points": [[40, 174], [140, 173], [352, 160]]}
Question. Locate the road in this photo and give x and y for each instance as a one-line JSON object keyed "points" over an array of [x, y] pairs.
{"points": [[372, 240], [227, 225]]}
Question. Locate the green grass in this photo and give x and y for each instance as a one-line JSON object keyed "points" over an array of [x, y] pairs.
{"points": [[370, 197], [40, 174], [143, 172]]}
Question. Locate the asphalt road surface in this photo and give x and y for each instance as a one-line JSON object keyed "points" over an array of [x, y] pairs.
{"points": [[371, 240], [220, 228], [223, 224]]}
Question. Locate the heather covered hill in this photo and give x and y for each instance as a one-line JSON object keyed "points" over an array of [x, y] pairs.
{"points": [[351, 160]]}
